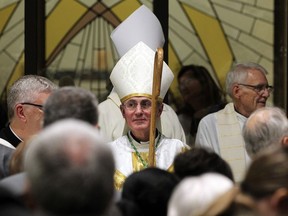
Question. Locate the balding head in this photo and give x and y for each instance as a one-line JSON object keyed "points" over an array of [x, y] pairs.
{"points": [[265, 127], [70, 169]]}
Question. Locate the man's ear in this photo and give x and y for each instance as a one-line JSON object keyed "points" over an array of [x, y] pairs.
{"points": [[122, 110], [19, 112], [236, 91]]}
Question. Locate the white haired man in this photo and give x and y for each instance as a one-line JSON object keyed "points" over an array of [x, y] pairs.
{"points": [[265, 127], [248, 87]]}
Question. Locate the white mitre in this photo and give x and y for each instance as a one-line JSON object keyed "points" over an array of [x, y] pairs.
{"points": [[141, 25], [133, 74]]}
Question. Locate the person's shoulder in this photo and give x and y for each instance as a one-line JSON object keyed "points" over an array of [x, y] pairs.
{"points": [[119, 141], [105, 103], [209, 117], [167, 107], [207, 121], [111, 100], [175, 142], [217, 107], [168, 112], [15, 183], [120, 146], [108, 107], [12, 204], [4, 144]]}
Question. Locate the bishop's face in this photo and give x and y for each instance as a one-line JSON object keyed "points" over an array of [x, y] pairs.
{"points": [[137, 113]]}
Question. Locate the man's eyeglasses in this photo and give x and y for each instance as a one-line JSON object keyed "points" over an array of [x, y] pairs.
{"points": [[259, 88], [32, 104], [131, 105]]}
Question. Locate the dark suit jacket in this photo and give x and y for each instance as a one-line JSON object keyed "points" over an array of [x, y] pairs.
{"points": [[9, 136]]}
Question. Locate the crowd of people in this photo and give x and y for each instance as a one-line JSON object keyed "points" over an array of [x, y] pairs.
{"points": [[63, 153]]}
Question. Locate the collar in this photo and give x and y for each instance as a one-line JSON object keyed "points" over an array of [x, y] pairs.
{"points": [[142, 145], [15, 134]]}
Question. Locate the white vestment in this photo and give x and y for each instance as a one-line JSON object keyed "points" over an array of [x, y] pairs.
{"points": [[127, 161], [112, 124], [222, 133]]}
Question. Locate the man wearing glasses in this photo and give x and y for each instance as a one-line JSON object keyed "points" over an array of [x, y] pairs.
{"points": [[25, 101], [132, 78], [221, 132]]}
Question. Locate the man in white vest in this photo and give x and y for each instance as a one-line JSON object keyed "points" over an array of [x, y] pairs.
{"points": [[221, 132], [141, 25]]}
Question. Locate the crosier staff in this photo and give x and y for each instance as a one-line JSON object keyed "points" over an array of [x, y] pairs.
{"points": [[157, 75]]}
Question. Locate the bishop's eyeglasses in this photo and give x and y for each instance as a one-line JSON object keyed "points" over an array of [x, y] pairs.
{"points": [[131, 105]]}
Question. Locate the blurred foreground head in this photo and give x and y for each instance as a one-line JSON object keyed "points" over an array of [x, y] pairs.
{"points": [[71, 102], [150, 190], [266, 181], [195, 195], [265, 127], [70, 169]]}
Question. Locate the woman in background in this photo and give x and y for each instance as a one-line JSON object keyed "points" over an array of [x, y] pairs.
{"points": [[201, 96]]}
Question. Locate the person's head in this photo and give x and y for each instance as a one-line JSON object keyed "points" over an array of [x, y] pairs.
{"points": [[132, 78], [198, 161], [150, 190], [194, 195], [266, 181], [71, 102], [25, 101], [198, 88], [264, 127], [137, 113], [248, 87], [70, 169], [232, 202]]}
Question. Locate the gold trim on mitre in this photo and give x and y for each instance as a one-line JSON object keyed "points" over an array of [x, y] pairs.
{"points": [[138, 95]]}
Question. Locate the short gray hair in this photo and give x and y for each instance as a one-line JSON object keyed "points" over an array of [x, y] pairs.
{"points": [[264, 127], [70, 168], [239, 73], [26, 89], [71, 102]]}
